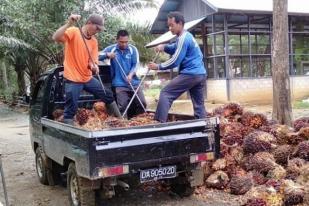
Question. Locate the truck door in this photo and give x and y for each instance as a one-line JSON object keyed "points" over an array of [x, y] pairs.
{"points": [[36, 108]]}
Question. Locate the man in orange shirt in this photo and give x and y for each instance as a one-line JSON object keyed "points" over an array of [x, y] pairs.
{"points": [[78, 65]]}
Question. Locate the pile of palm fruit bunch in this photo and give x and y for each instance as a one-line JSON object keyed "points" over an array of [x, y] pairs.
{"points": [[266, 163], [98, 118]]}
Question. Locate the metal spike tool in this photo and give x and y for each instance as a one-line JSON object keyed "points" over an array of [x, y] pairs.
{"points": [[135, 93]]}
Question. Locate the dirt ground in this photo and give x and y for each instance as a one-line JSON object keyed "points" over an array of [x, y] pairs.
{"points": [[24, 188]]}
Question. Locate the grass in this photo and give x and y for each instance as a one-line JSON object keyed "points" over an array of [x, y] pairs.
{"points": [[301, 105], [153, 93]]}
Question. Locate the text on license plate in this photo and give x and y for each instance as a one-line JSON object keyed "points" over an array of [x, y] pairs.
{"points": [[158, 173]]}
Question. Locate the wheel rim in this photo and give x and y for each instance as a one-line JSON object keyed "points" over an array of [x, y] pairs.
{"points": [[39, 166], [74, 190]]}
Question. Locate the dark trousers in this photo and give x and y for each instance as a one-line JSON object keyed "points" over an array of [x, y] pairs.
{"points": [[124, 95], [72, 92], [195, 84]]}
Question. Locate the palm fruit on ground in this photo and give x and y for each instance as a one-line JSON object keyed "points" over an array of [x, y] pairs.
{"points": [[263, 162], [282, 153], [281, 133], [250, 119], [218, 180], [293, 193], [276, 184], [294, 168], [300, 123], [219, 164], [277, 173], [256, 202], [258, 178], [228, 110], [237, 153], [258, 141], [303, 177], [240, 184], [302, 150]]}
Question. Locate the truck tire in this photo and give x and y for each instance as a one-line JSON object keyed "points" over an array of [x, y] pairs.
{"points": [[181, 186], [40, 166], [79, 193], [47, 175]]}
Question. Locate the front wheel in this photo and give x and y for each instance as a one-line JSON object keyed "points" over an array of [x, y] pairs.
{"points": [[79, 193]]}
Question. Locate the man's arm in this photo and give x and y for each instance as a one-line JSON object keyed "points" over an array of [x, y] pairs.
{"points": [[58, 36], [178, 56], [106, 54], [170, 48], [135, 64]]}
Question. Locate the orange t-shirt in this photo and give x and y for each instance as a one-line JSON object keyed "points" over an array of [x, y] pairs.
{"points": [[76, 57]]}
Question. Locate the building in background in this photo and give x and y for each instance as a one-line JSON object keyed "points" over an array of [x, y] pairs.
{"points": [[235, 37]]}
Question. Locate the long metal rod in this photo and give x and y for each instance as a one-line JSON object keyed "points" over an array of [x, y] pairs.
{"points": [[3, 183], [142, 80], [123, 72], [84, 40]]}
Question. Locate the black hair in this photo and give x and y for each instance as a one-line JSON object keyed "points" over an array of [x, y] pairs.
{"points": [[177, 16], [122, 32]]}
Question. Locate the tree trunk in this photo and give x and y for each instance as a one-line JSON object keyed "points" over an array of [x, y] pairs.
{"points": [[282, 109], [21, 81], [4, 76]]}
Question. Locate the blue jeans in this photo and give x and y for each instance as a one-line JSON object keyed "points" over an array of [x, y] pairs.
{"points": [[195, 84], [72, 92]]}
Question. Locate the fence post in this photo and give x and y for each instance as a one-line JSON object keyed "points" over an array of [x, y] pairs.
{"points": [[3, 183]]}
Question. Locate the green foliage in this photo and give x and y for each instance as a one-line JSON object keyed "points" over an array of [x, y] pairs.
{"points": [[26, 28], [152, 93], [301, 105]]}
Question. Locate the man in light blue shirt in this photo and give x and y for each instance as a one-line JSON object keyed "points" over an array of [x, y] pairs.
{"points": [[124, 63], [187, 56]]}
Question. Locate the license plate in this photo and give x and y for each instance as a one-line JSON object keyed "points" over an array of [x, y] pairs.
{"points": [[157, 173]]}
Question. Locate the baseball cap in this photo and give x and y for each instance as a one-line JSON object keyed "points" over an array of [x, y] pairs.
{"points": [[98, 20]]}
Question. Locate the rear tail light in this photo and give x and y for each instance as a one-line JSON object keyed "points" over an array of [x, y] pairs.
{"points": [[201, 157], [114, 171]]}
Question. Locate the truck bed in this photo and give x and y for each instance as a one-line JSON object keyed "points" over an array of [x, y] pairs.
{"points": [[139, 147]]}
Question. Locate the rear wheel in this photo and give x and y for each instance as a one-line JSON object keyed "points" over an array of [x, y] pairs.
{"points": [[40, 166], [79, 193], [44, 168], [181, 186]]}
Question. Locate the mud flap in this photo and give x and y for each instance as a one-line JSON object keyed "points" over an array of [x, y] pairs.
{"points": [[197, 178]]}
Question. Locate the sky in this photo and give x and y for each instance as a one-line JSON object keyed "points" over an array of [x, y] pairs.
{"points": [[146, 15]]}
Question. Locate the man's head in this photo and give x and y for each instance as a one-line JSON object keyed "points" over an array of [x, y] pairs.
{"points": [[95, 24], [175, 22], [122, 39]]}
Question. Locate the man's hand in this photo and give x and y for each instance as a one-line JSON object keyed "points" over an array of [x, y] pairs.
{"points": [[73, 18], [153, 66], [94, 68], [111, 55], [160, 48], [130, 77]]}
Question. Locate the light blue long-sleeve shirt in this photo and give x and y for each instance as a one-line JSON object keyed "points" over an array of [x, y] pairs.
{"points": [[129, 61], [186, 55]]}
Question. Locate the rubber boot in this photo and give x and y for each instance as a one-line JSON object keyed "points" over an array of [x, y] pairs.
{"points": [[112, 109]]}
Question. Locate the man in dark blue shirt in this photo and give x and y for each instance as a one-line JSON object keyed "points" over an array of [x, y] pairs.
{"points": [[187, 56], [124, 63]]}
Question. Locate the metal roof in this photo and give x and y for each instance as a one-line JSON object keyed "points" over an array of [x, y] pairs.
{"points": [[295, 7], [168, 36]]}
